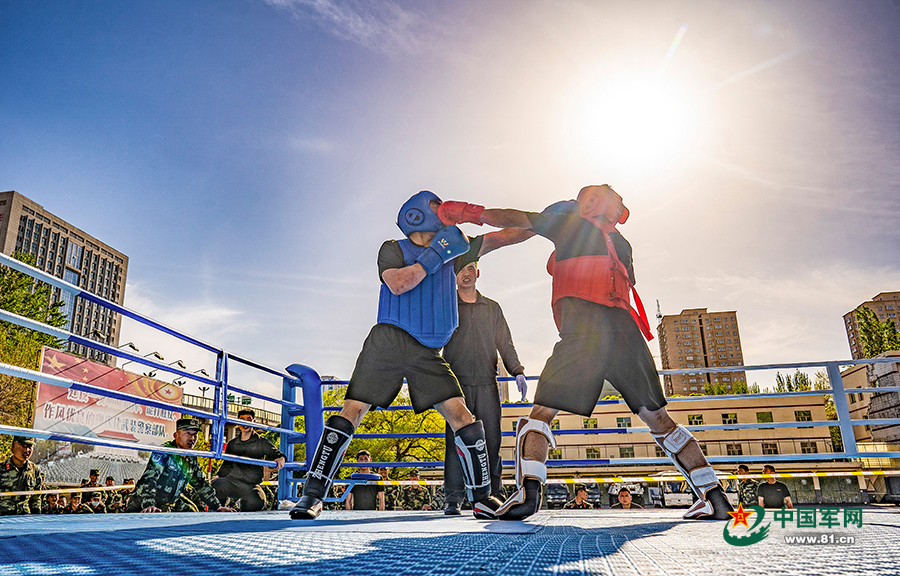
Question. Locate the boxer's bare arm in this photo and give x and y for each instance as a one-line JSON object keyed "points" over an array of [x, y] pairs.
{"points": [[501, 238], [505, 218], [400, 280]]}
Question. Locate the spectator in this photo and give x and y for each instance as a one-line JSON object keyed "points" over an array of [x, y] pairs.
{"points": [[747, 487], [773, 494], [415, 496], [94, 481], [108, 494], [391, 496], [18, 474], [581, 500], [163, 485], [95, 501], [116, 504], [76, 506], [363, 496], [53, 504], [625, 500], [239, 481]]}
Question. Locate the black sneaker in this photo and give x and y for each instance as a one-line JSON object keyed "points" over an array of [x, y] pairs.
{"points": [[451, 509], [307, 508]]}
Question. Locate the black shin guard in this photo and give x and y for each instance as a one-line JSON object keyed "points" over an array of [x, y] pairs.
{"points": [[329, 454], [472, 451]]}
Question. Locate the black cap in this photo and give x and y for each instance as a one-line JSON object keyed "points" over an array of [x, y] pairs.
{"points": [[94, 472], [24, 440], [187, 424], [108, 478]]}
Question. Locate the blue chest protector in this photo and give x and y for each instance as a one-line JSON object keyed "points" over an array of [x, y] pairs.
{"points": [[427, 312]]}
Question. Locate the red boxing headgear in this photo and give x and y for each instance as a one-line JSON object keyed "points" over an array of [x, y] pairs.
{"points": [[603, 201]]}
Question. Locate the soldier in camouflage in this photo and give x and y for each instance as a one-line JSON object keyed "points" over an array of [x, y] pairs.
{"points": [[391, 493], [76, 506], [415, 497], [17, 474], [162, 487]]}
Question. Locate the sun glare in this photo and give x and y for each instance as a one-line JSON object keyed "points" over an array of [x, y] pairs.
{"points": [[636, 123]]}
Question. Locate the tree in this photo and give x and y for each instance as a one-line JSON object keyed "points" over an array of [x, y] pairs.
{"points": [[739, 387], [25, 296], [387, 422], [874, 336], [797, 382]]}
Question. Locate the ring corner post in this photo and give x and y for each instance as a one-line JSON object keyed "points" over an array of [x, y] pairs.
{"points": [[310, 384]]}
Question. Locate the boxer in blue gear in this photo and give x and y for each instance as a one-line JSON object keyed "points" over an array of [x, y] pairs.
{"points": [[417, 315]]}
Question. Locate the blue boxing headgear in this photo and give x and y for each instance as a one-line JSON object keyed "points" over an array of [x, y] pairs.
{"points": [[416, 214]]}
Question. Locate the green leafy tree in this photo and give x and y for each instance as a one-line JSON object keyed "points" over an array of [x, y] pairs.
{"points": [[739, 387], [798, 382], [23, 295], [876, 337], [387, 422]]}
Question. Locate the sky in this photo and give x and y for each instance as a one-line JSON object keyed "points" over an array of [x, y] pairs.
{"points": [[250, 156]]}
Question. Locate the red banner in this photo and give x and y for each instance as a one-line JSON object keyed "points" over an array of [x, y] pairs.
{"points": [[70, 411]]}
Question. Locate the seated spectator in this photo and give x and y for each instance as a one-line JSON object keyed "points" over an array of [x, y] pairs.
{"points": [[364, 496], [162, 487], [95, 501], [52, 504], [580, 502], [18, 474], [415, 496], [773, 494], [241, 482], [76, 506], [625, 500], [116, 504], [747, 487]]}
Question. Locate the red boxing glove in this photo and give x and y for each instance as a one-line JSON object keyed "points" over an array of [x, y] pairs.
{"points": [[451, 213]]}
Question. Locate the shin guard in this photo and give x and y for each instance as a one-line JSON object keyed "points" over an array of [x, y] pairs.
{"points": [[702, 479], [530, 474], [472, 451], [329, 454]]}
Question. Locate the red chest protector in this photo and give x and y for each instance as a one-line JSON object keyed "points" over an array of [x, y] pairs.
{"points": [[601, 279]]}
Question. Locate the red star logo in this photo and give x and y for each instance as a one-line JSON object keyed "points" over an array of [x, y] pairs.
{"points": [[740, 516]]}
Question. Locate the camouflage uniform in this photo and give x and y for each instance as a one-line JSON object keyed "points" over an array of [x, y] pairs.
{"points": [[81, 509], [415, 497], [392, 499], [14, 479], [165, 481], [747, 492]]}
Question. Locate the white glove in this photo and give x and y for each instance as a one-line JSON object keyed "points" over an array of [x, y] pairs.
{"points": [[522, 386]]}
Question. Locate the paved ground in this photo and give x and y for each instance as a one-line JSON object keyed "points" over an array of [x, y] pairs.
{"points": [[355, 543]]}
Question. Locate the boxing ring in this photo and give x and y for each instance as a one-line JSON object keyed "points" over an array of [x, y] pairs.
{"points": [[566, 542], [576, 542]]}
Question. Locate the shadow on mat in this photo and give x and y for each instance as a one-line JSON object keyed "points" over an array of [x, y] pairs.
{"points": [[231, 547]]}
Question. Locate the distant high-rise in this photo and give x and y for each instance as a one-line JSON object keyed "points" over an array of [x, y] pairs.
{"points": [[72, 254], [885, 306], [699, 339]]}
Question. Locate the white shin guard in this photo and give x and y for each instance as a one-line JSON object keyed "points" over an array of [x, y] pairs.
{"points": [[527, 467], [700, 478]]}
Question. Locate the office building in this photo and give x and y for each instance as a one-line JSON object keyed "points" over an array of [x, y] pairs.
{"points": [[69, 253], [697, 338]]}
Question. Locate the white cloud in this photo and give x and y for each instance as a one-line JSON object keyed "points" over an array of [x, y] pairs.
{"points": [[380, 26]]}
